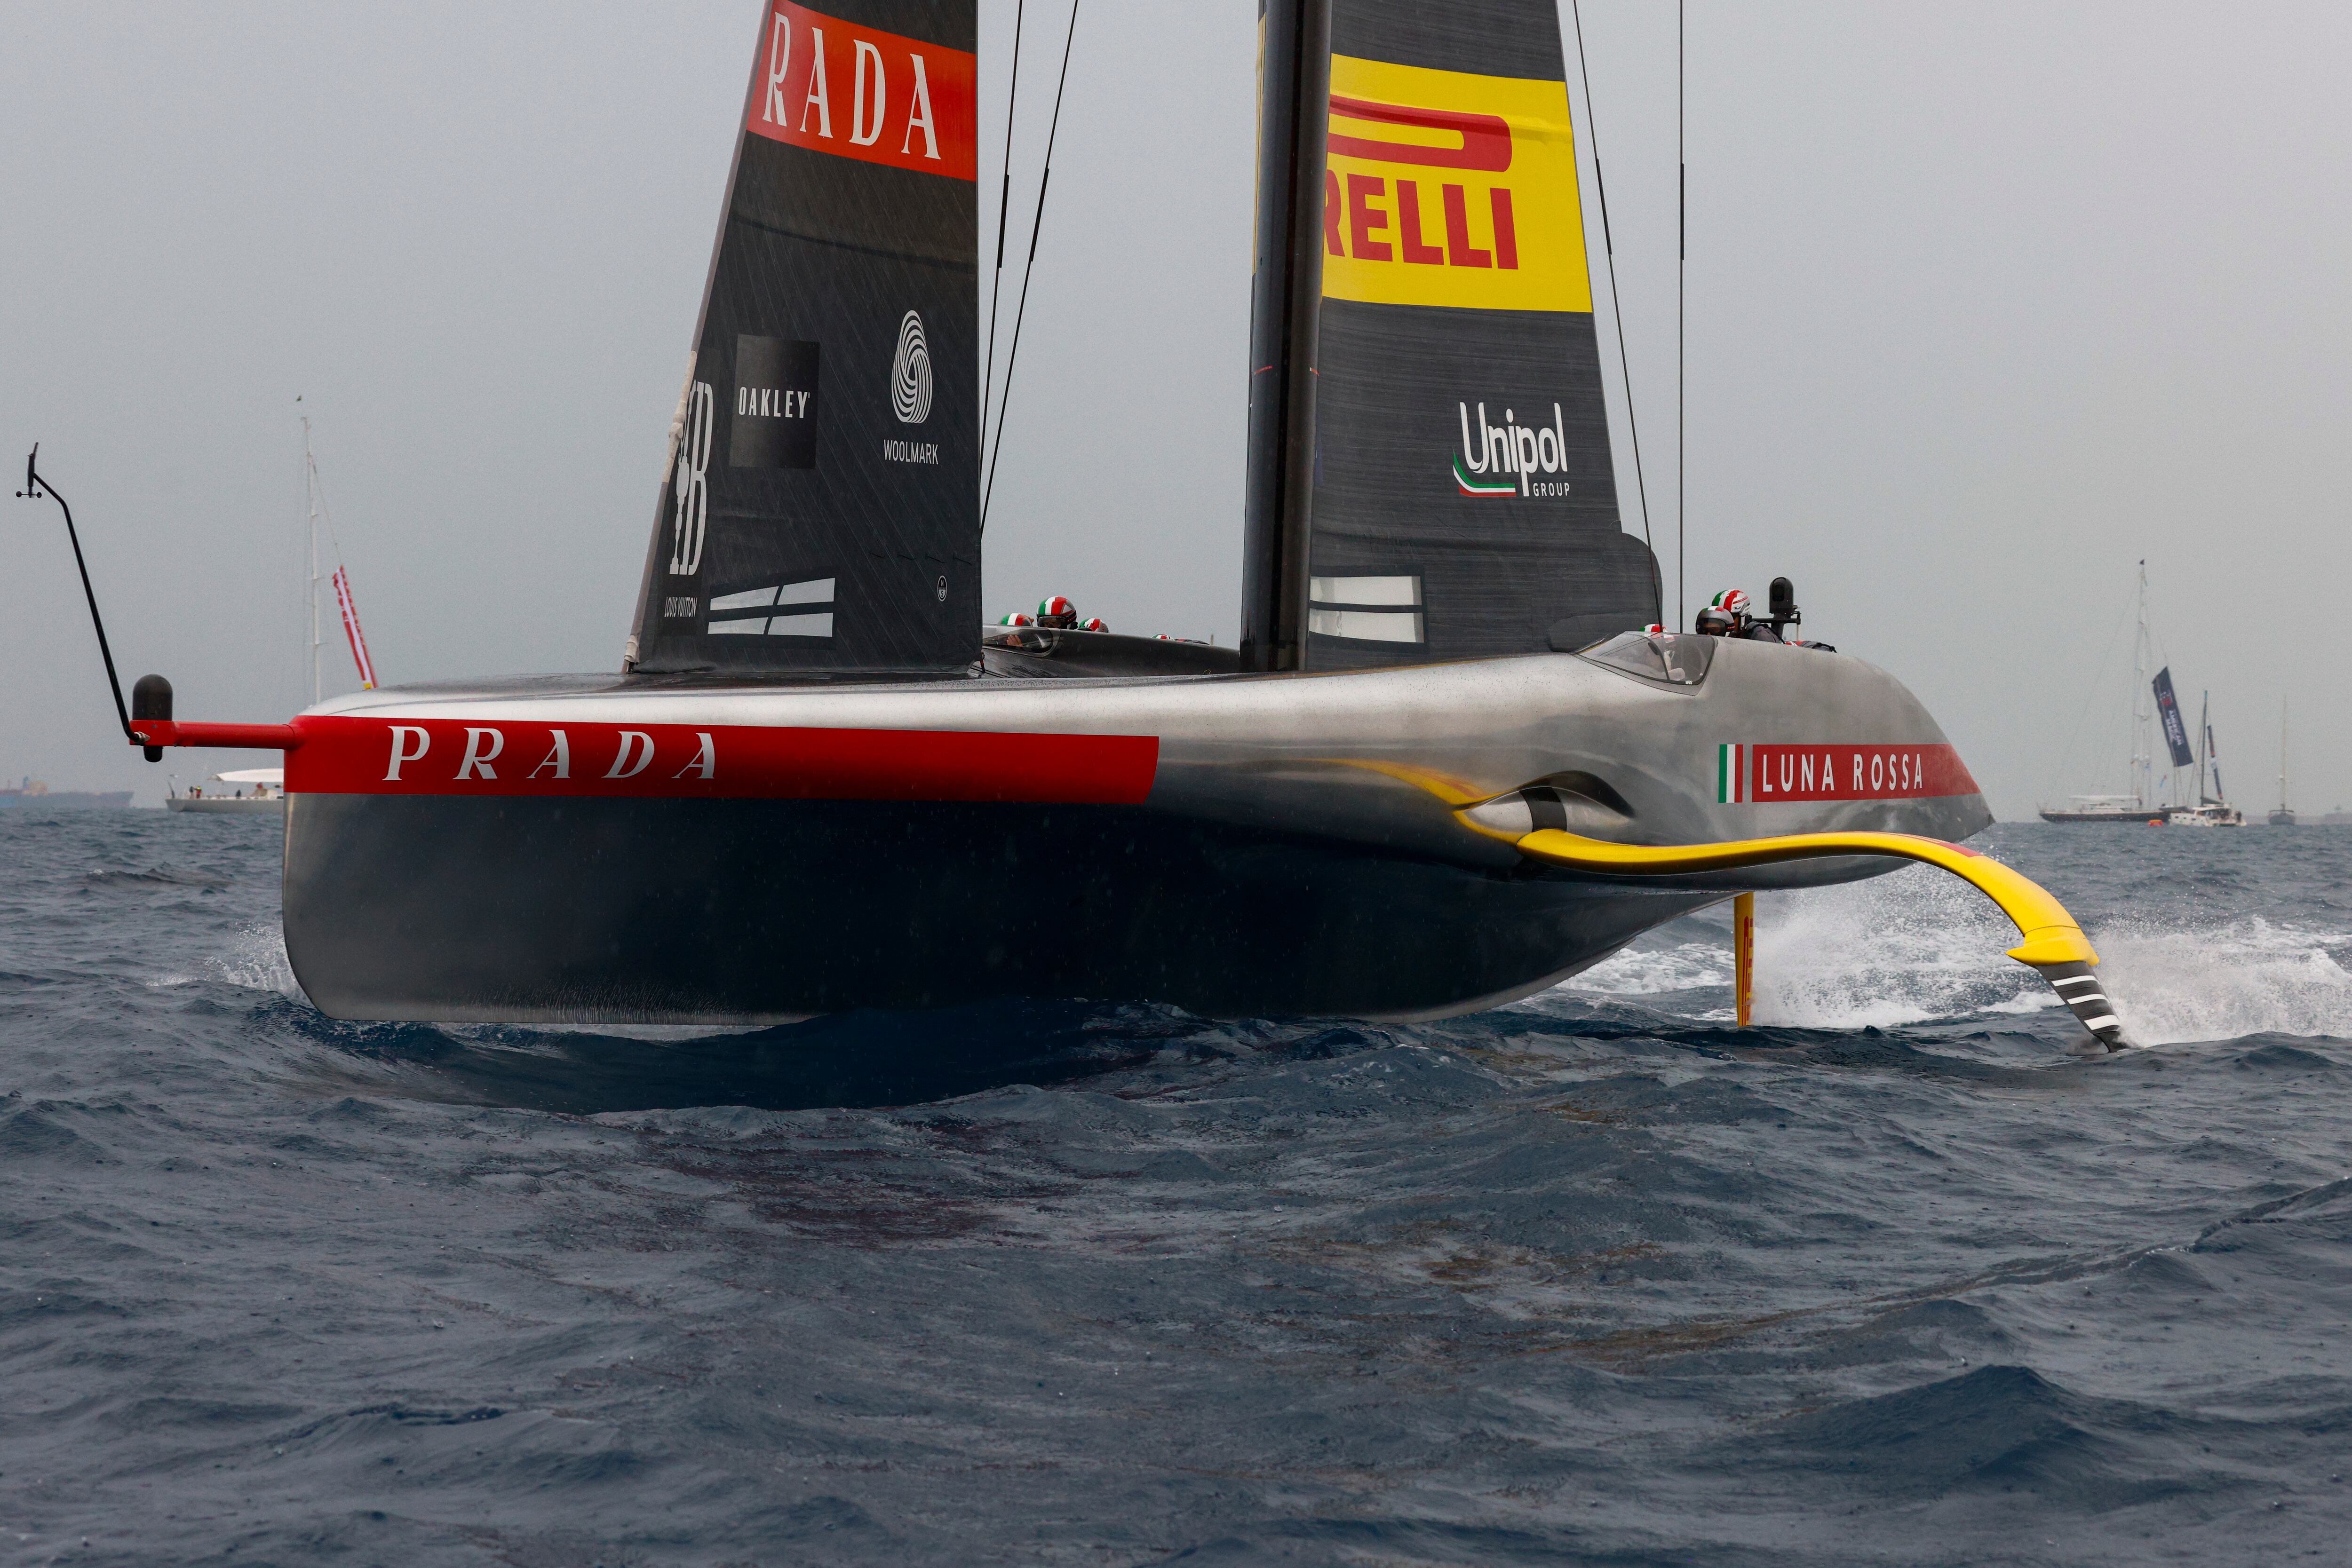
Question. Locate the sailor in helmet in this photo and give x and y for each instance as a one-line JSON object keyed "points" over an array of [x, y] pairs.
{"points": [[1733, 605], [1056, 613]]}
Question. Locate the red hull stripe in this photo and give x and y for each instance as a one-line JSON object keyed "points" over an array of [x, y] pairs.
{"points": [[337, 755], [1892, 772]]}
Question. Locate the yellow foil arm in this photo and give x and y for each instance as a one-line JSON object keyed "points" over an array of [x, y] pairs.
{"points": [[2051, 934]]}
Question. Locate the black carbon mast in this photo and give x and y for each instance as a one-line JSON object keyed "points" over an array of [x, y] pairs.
{"points": [[1285, 292]]}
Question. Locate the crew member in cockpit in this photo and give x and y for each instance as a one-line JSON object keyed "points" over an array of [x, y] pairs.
{"points": [[1733, 604]]}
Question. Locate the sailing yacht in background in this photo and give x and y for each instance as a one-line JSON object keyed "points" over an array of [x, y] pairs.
{"points": [[261, 791], [2211, 808], [2160, 802], [2285, 816], [2139, 806]]}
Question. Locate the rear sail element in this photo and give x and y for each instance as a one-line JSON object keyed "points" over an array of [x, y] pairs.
{"points": [[2054, 944], [1463, 501], [820, 505]]}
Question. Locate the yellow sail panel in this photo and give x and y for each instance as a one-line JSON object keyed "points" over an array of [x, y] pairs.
{"points": [[1448, 188]]}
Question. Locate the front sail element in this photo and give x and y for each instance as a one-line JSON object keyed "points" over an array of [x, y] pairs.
{"points": [[2176, 729], [1464, 503], [820, 508]]}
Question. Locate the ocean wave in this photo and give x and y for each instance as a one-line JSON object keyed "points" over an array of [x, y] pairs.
{"points": [[256, 961]]}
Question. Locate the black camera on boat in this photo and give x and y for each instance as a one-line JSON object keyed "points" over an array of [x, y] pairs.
{"points": [[151, 698]]}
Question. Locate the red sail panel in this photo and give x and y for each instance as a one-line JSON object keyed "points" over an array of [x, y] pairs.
{"points": [[833, 87]]}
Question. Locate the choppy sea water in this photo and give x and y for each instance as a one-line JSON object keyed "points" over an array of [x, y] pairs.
{"points": [[1592, 1279]]}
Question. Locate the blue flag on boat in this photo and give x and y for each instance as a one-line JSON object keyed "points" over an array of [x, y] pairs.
{"points": [[2175, 731]]}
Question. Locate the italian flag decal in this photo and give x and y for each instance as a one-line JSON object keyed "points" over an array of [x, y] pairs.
{"points": [[1731, 775], [1471, 484]]}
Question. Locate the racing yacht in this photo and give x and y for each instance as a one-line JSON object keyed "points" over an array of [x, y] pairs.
{"points": [[1456, 758]]}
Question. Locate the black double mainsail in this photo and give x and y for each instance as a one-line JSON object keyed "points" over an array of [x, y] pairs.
{"points": [[820, 510], [1445, 770], [1458, 499]]}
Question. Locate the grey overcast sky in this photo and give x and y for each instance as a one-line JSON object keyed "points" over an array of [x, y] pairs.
{"points": [[1986, 302]]}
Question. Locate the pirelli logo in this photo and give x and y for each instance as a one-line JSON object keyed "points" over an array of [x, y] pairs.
{"points": [[1447, 189]]}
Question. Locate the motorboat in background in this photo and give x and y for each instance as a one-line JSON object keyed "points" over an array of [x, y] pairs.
{"points": [[250, 792]]}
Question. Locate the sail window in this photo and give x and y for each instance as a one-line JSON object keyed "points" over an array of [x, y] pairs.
{"points": [[1366, 609], [1676, 658], [745, 613]]}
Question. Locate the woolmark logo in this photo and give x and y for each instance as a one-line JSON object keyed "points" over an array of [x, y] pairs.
{"points": [[910, 373], [1511, 458]]}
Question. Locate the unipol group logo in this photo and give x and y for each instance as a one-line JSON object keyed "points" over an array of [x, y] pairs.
{"points": [[689, 483], [910, 373], [1453, 190], [1511, 458]]}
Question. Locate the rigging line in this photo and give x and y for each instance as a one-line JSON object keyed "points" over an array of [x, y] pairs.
{"points": [[1013, 355], [1003, 210], [1682, 290], [1609, 249], [35, 489]]}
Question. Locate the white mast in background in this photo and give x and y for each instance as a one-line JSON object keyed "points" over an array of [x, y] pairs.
{"points": [[310, 499], [2142, 762]]}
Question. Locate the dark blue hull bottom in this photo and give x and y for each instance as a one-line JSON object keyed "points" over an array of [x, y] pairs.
{"points": [[532, 909]]}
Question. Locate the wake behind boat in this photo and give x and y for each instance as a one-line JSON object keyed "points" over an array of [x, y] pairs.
{"points": [[1447, 767]]}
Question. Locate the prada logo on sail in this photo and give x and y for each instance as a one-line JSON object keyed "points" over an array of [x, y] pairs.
{"points": [[1511, 458], [1449, 189], [775, 404], [858, 92]]}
